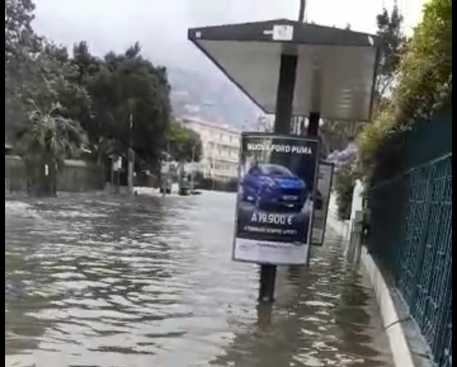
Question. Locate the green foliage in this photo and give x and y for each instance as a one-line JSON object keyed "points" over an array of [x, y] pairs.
{"points": [[50, 137], [184, 144], [344, 187], [120, 86], [392, 44], [20, 40], [21, 44], [42, 102], [87, 65], [48, 88], [425, 80], [47, 140], [51, 82], [423, 87], [371, 139], [119, 101], [37, 72]]}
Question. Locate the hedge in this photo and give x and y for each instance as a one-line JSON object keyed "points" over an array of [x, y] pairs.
{"points": [[423, 87]]}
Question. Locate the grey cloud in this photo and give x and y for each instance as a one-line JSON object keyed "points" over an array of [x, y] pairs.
{"points": [[159, 26]]}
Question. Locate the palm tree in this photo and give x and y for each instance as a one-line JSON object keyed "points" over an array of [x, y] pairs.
{"points": [[47, 140]]}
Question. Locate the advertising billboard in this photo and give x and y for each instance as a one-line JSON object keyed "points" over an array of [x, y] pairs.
{"points": [[277, 179], [321, 202]]}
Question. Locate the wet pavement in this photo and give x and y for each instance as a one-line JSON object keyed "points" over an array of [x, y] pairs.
{"points": [[97, 280]]}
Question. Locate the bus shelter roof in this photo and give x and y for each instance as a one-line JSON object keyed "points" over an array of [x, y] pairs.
{"points": [[335, 72]]}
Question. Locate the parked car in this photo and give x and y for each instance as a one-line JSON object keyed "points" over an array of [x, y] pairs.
{"points": [[185, 184], [273, 186]]}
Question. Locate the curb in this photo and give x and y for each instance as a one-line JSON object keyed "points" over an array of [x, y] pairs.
{"points": [[392, 322], [406, 343]]}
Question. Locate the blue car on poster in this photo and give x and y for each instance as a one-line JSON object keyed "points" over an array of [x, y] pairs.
{"points": [[273, 186]]}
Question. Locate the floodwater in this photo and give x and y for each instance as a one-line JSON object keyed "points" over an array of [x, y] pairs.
{"points": [[97, 280]]}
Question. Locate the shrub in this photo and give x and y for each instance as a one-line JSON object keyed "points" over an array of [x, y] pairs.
{"points": [[423, 87], [344, 186]]}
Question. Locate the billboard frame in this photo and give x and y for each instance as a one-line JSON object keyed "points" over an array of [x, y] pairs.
{"points": [[332, 165], [306, 245]]}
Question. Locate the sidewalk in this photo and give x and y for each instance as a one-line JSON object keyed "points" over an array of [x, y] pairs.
{"points": [[407, 345]]}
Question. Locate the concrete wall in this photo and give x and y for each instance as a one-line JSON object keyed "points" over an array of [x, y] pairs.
{"points": [[14, 174], [76, 176], [341, 227], [357, 200], [356, 206]]}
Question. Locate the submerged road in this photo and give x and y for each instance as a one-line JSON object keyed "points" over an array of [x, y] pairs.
{"points": [[97, 280]]}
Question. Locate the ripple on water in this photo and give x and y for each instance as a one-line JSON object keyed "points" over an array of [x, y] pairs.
{"points": [[103, 281]]}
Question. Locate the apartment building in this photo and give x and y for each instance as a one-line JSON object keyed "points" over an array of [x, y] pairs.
{"points": [[220, 148]]}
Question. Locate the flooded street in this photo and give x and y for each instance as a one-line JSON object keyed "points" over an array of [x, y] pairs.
{"points": [[97, 280]]}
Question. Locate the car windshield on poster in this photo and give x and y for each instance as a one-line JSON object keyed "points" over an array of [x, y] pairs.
{"points": [[274, 207], [321, 201]]}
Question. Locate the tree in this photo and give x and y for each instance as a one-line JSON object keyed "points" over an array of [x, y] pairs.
{"points": [[35, 70], [392, 44], [121, 85], [42, 103], [51, 131], [425, 70], [20, 40], [21, 45], [48, 139], [423, 87], [87, 65], [184, 144]]}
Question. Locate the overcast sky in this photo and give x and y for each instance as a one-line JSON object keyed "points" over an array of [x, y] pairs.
{"points": [[161, 25]]}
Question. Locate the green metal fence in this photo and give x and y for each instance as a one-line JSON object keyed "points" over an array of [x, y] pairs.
{"points": [[411, 235]]}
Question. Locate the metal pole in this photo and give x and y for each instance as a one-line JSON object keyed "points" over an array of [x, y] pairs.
{"points": [[192, 169], [112, 173], [118, 181], [313, 124], [130, 156], [313, 131], [284, 100], [301, 14]]}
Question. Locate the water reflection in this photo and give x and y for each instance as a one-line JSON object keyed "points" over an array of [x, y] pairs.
{"points": [[94, 280], [326, 316]]}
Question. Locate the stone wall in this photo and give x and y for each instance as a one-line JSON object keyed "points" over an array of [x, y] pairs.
{"points": [[76, 176]]}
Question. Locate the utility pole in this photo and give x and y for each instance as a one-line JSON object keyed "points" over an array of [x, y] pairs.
{"points": [[131, 156]]}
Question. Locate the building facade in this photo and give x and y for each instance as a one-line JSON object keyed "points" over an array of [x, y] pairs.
{"points": [[220, 148]]}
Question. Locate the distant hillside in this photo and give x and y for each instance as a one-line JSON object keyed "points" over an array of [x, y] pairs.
{"points": [[210, 98]]}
